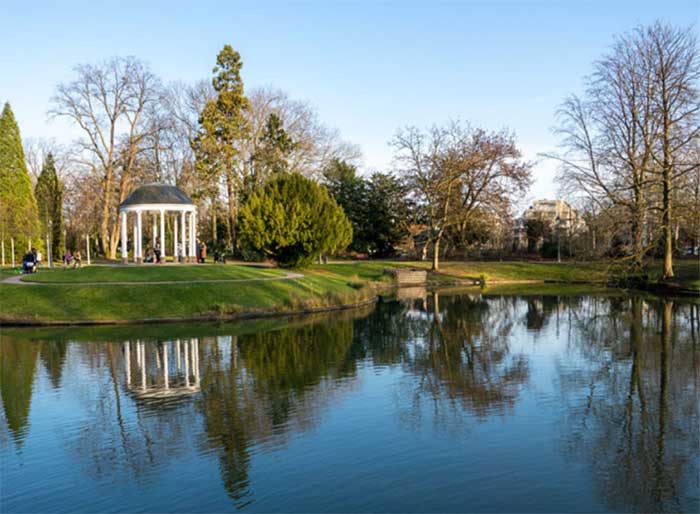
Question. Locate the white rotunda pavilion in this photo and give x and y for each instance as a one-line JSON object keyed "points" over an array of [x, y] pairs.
{"points": [[159, 200]]}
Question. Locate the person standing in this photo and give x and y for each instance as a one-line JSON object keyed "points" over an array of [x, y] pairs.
{"points": [[157, 252]]}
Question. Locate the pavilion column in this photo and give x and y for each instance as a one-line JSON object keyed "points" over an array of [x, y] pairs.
{"points": [[193, 234], [134, 248], [175, 235], [162, 235], [125, 255], [184, 236], [139, 241], [155, 233]]}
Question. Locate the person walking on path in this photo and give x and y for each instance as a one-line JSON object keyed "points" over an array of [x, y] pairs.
{"points": [[76, 259]]}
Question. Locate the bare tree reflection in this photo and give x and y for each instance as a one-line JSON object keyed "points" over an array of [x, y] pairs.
{"points": [[633, 409], [461, 358]]}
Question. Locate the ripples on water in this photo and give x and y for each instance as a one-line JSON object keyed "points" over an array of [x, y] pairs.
{"points": [[448, 402]]}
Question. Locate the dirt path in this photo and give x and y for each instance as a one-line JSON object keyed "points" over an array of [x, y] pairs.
{"points": [[17, 280]]}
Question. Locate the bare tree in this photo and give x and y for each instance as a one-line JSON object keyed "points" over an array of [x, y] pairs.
{"points": [[625, 142], [110, 102], [456, 170], [608, 138], [36, 150], [315, 144], [672, 57]]}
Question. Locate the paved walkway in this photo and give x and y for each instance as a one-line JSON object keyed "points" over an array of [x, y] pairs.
{"points": [[17, 280]]}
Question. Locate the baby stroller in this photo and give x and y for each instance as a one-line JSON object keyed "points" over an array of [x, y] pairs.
{"points": [[29, 263]]}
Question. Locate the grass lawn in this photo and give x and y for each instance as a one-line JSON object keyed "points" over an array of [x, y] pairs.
{"points": [[322, 286], [66, 302], [595, 272], [686, 271], [152, 273]]}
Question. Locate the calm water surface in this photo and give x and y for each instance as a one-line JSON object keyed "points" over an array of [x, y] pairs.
{"points": [[443, 402]]}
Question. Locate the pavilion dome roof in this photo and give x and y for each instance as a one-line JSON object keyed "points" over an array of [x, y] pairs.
{"points": [[157, 193]]}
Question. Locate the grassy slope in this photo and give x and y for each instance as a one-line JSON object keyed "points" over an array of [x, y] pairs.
{"points": [[322, 286], [131, 302]]}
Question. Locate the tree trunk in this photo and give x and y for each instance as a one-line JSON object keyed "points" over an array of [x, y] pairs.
{"points": [[213, 220], [424, 252], [436, 252], [667, 230], [231, 210], [104, 217], [638, 220]]}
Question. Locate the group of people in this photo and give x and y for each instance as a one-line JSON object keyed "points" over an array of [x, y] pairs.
{"points": [[154, 255], [72, 259], [31, 260]]}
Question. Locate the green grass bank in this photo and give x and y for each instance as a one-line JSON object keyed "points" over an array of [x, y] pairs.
{"points": [[231, 291]]}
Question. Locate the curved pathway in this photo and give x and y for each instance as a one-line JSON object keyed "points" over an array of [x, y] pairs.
{"points": [[17, 280]]}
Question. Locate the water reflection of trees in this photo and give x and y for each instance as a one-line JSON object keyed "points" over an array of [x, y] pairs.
{"points": [[269, 384], [460, 358], [18, 361], [631, 397], [633, 405]]}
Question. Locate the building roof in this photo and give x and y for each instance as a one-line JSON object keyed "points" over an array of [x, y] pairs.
{"points": [[157, 193]]}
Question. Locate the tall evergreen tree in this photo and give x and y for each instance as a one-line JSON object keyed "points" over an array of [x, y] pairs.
{"points": [[18, 209], [376, 207], [350, 191], [388, 213], [276, 145], [222, 128], [49, 198]]}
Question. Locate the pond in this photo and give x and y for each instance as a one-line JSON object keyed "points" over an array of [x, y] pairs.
{"points": [[435, 402]]}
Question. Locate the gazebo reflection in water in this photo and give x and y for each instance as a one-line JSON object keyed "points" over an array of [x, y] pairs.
{"points": [[165, 370]]}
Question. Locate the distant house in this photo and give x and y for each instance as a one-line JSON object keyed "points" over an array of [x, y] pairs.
{"points": [[557, 214]]}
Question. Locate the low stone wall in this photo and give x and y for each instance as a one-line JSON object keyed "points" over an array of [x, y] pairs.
{"points": [[407, 276]]}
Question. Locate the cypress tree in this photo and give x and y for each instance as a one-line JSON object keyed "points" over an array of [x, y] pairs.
{"points": [[18, 209], [49, 198]]}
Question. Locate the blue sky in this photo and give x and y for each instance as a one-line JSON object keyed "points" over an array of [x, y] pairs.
{"points": [[367, 67]]}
